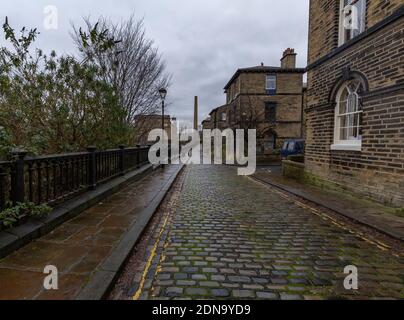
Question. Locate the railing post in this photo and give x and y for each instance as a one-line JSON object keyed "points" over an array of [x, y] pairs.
{"points": [[2, 189], [122, 160], [138, 156], [169, 153], [92, 183], [17, 177]]}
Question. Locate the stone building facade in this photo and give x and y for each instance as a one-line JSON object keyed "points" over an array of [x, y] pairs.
{"points": [[355, 96], [207, 124], [268, 99], [148, 122], [218, 118]]}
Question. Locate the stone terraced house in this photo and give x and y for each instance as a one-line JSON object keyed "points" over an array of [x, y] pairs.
{"points": [[355, 96], [148, 122], [266, 98]]}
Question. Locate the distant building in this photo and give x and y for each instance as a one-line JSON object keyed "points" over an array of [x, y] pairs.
{"points": [[268, 99], [207, 124], [355, 96], [145, 123], [219, 118]]}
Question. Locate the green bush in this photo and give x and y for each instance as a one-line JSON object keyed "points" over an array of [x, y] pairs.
{"points": [[11, 216], [52, 104], [5, 143]]}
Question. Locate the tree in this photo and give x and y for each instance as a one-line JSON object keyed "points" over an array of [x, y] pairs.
{"points": [[134, 66], [251, 115], [51, 104]]}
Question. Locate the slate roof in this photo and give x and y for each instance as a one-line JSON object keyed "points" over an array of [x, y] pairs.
{"points": [[263, 69]]}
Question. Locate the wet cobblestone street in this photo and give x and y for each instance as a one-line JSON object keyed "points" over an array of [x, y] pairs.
{"points": [[230, 237]]}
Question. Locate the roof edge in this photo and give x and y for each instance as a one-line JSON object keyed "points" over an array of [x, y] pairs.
{"points": [[263, 70]]}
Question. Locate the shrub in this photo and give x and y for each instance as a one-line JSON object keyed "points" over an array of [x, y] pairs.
{"points": [[52, 104], [13, 215], [5, 143]]}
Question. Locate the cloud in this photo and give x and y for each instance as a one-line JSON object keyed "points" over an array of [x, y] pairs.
{"points": [[202, 41]]}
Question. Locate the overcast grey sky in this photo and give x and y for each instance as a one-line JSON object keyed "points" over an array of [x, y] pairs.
{"points": [[202, 41]]}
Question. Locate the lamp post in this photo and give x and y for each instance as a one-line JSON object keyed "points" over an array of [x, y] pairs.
{"points": [[163, 94]]}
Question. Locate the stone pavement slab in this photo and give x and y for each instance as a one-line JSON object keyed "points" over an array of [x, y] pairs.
{"points": [[78, 247], [17, 237], [369, 213]]}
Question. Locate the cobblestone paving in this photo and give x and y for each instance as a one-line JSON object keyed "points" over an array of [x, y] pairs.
{"points": [[233, 238]]}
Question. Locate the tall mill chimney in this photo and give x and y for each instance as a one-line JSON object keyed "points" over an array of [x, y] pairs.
{"points": [[288, 60], [196, 113]]}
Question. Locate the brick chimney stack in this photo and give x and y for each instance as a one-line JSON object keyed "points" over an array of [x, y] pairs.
{"points": [[288, 60]]}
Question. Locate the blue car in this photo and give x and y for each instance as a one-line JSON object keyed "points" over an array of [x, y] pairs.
{"points": [[292, 147]]}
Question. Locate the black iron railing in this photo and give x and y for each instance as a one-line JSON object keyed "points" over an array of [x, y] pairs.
{"points": [[53, 179]]}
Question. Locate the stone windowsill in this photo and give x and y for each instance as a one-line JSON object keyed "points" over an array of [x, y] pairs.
{"points": [[346, 147]]}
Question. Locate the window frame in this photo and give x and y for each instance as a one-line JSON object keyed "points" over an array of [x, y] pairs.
{"points": [[271, 90], [228, 95], [361, 21], [223, 116], [349, 144]]}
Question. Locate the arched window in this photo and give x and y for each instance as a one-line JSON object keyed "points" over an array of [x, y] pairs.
{"points": [[348, 117]]}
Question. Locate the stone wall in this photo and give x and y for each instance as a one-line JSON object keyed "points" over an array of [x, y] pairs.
{"points": [[323, 28], [377, 10], [324, 20], [377, 170], [254, 83], [294, 170]]}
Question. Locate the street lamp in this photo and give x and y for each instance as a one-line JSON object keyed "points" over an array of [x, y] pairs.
{"points": [[163, 93]]}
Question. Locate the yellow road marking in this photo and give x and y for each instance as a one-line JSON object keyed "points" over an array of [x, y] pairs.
{"points": [[382, 246], [149, 262]]}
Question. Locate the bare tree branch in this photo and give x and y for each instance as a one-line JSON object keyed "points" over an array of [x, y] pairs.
{"points": [[134, 67]]}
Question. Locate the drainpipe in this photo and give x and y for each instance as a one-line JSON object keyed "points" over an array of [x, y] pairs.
{"points": [[301, 116]]}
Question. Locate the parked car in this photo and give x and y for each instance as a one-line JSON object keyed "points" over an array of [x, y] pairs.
{"points": [[292, 147]]}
